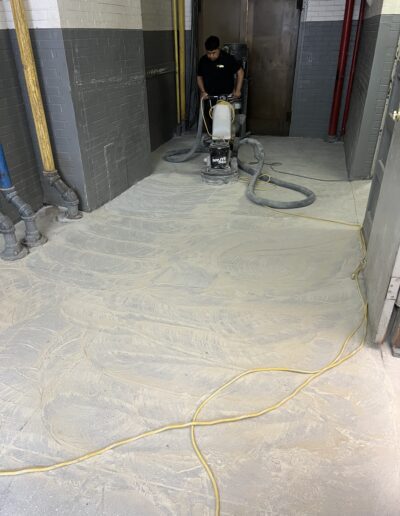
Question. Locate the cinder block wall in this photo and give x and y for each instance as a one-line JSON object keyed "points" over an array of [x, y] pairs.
{"points": [[90, 58], [103, 42], [317, 58], [374, 66], [160, 69]]}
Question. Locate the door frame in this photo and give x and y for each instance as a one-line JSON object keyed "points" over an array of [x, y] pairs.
{"points": [[245, 32], [382, 146], [382, 272]]}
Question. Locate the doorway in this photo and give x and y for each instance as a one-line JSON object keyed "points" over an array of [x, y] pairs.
{"points": [[270, 29]]}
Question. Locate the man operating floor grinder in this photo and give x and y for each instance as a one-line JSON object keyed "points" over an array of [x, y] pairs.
{"points": [[220, 80]]}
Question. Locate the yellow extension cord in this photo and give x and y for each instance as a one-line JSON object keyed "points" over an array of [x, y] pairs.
{"points": [[226, 103], [340, 358]]}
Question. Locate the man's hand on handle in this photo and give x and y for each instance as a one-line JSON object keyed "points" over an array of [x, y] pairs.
{"points": [[236, 94]]}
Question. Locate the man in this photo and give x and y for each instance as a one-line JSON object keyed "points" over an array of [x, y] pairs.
{"points": [[216, 72]]}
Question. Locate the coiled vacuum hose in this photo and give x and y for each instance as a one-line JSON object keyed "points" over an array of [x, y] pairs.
{"points": [[182, 155], [309, 196]]}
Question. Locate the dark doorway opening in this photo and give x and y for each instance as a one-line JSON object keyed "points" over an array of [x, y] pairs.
{"points": [[270, 29]]}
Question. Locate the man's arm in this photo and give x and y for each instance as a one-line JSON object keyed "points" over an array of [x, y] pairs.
{"points": [[200, 84], [237, 92]]}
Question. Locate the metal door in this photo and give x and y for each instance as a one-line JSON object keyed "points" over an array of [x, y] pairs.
{"points": [[383, 258], [270, 29], [222, 18], [383, 145], [273, 27]]}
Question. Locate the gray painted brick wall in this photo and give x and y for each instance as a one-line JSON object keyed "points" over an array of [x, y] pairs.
{"points": [[94, 93], [377, 50], [106, 70], [48, 46], [160, 83], [49, 53], [14, 132], [315, 77]]}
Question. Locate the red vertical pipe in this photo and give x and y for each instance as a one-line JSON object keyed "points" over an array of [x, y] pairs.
{"points": [[341, 69], [353, 66]]}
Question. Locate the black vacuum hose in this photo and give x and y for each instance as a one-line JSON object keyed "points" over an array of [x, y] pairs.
{"points": [[181, 155]]}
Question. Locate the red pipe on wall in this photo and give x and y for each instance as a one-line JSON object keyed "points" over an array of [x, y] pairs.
{"points": [[353, 67], [341, 69]]}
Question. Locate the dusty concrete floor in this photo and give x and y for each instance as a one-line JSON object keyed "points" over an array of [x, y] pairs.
{"points": [[125, 320]]}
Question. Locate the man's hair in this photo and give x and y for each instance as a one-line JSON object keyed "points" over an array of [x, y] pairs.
{"points": [[212, 43]]}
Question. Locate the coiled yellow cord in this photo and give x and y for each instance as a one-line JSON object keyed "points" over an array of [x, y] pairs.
{"points": [[226, 103], [210, 113], [340, 358]]}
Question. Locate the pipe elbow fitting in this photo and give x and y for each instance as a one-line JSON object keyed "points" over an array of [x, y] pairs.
{"points": [[70, 197], [24, 209], [67, 193]]}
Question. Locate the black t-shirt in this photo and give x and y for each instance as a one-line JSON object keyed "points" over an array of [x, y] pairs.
{"points": [[218, 76]]}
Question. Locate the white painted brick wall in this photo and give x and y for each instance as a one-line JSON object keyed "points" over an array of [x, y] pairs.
{"points": [[328, 10], [157, 14], [41, 14], [391, 7], [100, 14], [378, 7], [188, 14], [3, 15], [333, 10]]}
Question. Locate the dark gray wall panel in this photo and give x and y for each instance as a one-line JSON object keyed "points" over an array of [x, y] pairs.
{"points": [[360, 86], [48, 47], [315, 77], [158, 48], [160, 83], [94, 93], [374, 66], [106, 70], [14, 132], [162, 108], [49, 53]]}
